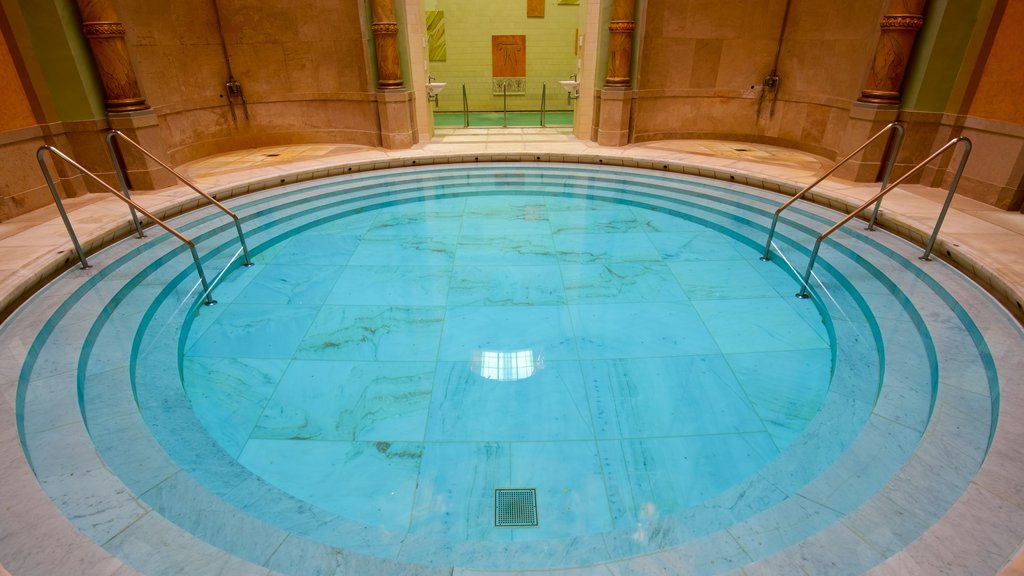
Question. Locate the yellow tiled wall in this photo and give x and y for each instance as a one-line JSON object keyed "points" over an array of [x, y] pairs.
{"points": [[469, 25]]}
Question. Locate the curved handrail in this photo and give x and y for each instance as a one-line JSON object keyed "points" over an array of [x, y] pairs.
{"points": [[885, 180], [208, 299], [124, 184], [935, 231]]}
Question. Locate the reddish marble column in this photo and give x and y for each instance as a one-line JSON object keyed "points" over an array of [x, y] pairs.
{"points": [[620, 44], [385, 36], [106, 40], [899, 26], [395, 104]]}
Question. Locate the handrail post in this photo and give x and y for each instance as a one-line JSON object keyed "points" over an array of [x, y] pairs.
{"points": [[465, 108], [893, 154], [543, 103], [207, 292], [117, 168], [123, 181], [775, 219], [949, 197], [803, 293], [504, 105], [60, 207]]}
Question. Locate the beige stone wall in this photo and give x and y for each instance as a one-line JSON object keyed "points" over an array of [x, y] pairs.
{"points": [[302, 65], [15, 110], [702, 65], [1001, 84], [22, 188], [996, 117]]}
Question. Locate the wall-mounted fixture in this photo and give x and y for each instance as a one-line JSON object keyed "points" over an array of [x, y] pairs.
{"points": [[572, 87], [232, 87], [769, 91], [433, 89], [770, 84], [234, 90]]}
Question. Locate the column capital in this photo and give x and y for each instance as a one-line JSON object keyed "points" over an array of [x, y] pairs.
{"points": [[902, 22], [384, 27], [103, 29]]}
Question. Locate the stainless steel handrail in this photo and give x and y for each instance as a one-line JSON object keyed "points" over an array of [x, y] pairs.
{"points": [[504, 105], [938, 224], [207, 293], [885, 181], [465, 108], [124, 184], [543, 103]]}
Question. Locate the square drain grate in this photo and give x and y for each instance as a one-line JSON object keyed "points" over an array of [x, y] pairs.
{"points": [[515, 507]]}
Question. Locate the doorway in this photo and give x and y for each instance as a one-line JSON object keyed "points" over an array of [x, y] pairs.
{"points": [[503, 64]]}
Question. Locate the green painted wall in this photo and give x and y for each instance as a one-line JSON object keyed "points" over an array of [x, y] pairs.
{"points": [[602, 45], [371, 45], [936, 76], [64, 58], [469, 25], [403, 43]]}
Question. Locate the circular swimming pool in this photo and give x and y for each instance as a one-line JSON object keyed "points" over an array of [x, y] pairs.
{"points": [[604, 345]]}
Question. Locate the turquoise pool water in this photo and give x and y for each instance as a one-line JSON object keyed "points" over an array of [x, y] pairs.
{"points": [[412, 358], [492, 119], [411, 340]]}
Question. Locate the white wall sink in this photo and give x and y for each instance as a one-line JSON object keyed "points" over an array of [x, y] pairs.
{"points": [[434, 88]]}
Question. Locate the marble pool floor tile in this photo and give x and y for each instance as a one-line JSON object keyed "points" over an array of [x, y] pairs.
{"points": [[289, 284], [782, 397], [506, 285], [542, 402], [615, 282], [716, 280], [668, 397], [346, 478], [757, 325], [542, 330], [245, 385], [391, 285], [668, 329], [324, 249], [255, 330], [506, 250], [348, 401], [382, 333]]}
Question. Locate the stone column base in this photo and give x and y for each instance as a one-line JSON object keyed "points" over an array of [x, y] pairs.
{"points": [[865, 121], [397, 121], [144, 128], [613, 118]]}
